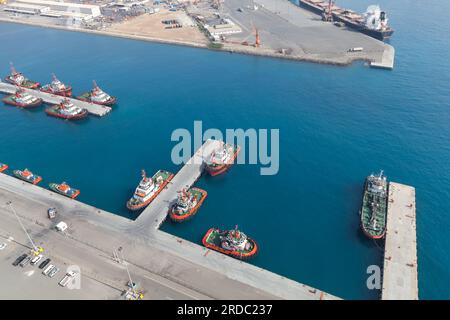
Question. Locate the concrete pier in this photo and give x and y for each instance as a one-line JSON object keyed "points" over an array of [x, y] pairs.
{"points": [[400, 256], [156, 212], [387, 59], [92, 108], [167, 267]]}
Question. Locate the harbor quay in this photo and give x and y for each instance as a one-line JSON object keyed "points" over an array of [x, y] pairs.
{"points": [[400, 279], [165, 266], [92, 108]]}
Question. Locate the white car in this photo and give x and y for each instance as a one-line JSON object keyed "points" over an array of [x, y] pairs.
{"points": [[47, 269], [36, 259], [2, 246], [54, 271]]}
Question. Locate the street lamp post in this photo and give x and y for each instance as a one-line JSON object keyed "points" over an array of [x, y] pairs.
{"points": [[35, 248]]}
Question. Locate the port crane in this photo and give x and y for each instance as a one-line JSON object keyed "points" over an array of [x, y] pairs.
{"points": [[327, 14]]}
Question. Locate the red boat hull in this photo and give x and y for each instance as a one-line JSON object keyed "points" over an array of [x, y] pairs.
{"points": [[190, 214], [233, 254], [33, 86], [214, 171], [21, 105], [3, 167], [66, 117], [110, 102], [146, 203]]}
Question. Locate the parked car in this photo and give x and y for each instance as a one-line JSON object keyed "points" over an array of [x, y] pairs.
{"points": [[19, 260], [25, 262], [53, 272], [47, 270], [44, 263], [36, 259], [3, 246]]}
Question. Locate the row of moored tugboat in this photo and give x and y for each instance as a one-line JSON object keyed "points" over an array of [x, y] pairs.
{"points": [[28, 176], [66, 109]]}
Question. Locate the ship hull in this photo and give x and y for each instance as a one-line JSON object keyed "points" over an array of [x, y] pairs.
{"points": [[210, 237], [134, 207], [64, 93], [87, 98], [19, 176], [3, 167], [215, 170], [28, 84], [366, 213], [377, 34], [52, 111], [9, 100], [187, 216], [54, 187]]}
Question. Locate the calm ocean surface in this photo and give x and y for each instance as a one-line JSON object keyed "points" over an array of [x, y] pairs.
{"points": [[337, 124]]}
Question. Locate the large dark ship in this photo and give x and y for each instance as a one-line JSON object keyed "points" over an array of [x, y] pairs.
{"points": [[373, 22], [374, 206]]}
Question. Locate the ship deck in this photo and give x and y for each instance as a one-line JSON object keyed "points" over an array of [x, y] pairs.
{"points": [[400, 280], [94, 109]]}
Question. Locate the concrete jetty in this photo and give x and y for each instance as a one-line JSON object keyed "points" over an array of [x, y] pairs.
{"points": [[166, 266], [400, 256], [387, 59], [92, 108], [156, 212]]}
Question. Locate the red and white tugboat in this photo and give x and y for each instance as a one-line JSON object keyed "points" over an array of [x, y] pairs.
{"points": [[66, 110], [22, 99], [58, 88], [233, 243], [187, 204], [98, 96], [28, 176], [65, 190], [148, 189], [18, 79], [222, 159], [3, 167]]}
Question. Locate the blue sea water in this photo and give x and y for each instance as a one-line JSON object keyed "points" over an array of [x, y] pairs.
{"points": [[337, 124]]}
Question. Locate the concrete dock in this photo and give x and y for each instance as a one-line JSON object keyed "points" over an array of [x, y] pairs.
{"points": [[387, 59], [167, 267], [92, 108], [155, 214], [400, 280]]}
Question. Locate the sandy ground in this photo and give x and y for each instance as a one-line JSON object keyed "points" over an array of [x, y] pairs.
{"points": [[150, 25]]}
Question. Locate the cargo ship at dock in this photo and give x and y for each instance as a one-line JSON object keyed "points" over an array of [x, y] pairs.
{"points": [[28, 176], [98, 96], [187, 204], [231, 242], [18, 79], [22, 99], [57, 87], [373, 22], [374, 206], [65, 190], [148, 189], [222, 159], [66, 110]]}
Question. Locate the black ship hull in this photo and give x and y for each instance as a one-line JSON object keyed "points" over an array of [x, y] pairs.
{"points": [[310, 7]]}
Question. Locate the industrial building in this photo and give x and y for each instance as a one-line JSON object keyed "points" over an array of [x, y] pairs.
{"points": [[55, 9]]}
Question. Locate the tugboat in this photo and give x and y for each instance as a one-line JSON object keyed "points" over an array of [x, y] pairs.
{"points": [[65, 190], [374, 206], [18, 79], [98, 96], [187, 204], [28, 176], [58, 88], [233, 243], [66, 110], [22, 99], [148, 189], [222, 159], [3, 167]]}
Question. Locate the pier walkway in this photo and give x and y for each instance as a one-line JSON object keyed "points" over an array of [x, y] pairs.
{"points": [[92, 108], [156, 212], [400, 256]]}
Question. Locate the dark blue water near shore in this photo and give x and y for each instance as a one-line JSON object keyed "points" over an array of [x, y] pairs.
{"points": [[336, 125]]}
